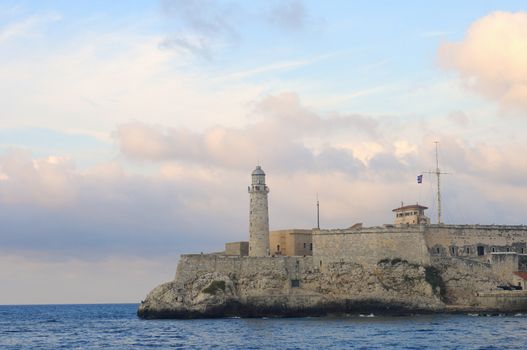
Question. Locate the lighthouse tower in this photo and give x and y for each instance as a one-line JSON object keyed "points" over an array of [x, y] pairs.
{"points": [[258, 215]]}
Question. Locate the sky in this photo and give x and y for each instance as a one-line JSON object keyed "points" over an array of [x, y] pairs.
{"points": [[129, 129]]}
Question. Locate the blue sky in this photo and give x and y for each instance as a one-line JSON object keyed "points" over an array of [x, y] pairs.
{"points": [[128, 129]]}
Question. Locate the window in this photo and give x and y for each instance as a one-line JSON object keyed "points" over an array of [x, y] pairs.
{"points": [[295, 283], [304, 246], [438, 250], [493, 249], [481, 250], [278, 248], [508, 249], [453, 250], [310, 246]]}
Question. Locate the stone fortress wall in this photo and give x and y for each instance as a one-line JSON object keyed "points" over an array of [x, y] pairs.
{"points": [[370, 245], [494, 249], [420, 242], [297, 283], [292, 268], [475, 240], [237, 248], [415, 243]]}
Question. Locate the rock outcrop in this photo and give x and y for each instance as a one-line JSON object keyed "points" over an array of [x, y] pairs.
{"points": [[219, 286]]}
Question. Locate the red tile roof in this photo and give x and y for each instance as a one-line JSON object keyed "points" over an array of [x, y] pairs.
{"points": [[521, 274]]}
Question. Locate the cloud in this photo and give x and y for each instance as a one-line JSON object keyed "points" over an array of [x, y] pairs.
{"points": [[340, 154], [280, 66], [197, 45], [203, 25], [48, 205], [26, 27], [134, 226], [99, 80], [205, 16], [45, 181], [459, 118], [276, 137], [290, 14], [491, 58]]}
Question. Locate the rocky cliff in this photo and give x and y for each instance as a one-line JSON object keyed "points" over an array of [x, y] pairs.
{"points": [[220, 286]]}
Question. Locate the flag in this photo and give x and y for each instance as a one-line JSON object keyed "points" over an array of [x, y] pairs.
{"points": [[419, 179]]}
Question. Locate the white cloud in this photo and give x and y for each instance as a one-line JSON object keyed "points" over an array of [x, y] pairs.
{"points": [[101, 80], [50, 206], [44, 181], [277, 138], [279, 66], [26, 27], [491, 58]]}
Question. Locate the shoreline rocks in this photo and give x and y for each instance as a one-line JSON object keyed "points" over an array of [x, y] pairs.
{"points": [[212, 286]]}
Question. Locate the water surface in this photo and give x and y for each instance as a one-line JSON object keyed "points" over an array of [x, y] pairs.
{"points": [[115, 326]]}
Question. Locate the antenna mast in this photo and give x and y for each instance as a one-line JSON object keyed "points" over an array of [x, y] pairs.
{"points": [[438, 173], [318, 214]]}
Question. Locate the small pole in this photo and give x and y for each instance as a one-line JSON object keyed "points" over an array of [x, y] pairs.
{"points": [[318, 214], [438, 172]]}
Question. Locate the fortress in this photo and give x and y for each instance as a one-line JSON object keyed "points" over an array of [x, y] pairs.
{"points": [[408, 266]]}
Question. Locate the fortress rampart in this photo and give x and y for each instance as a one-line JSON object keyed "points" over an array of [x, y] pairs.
{"points": [[418, 243], [192, 265], [370, 245], [475, 240]]}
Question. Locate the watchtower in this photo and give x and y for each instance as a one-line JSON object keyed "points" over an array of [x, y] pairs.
{"points": [[411, 215], [258, 215]]}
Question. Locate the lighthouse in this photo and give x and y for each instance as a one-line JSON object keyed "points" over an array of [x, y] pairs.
{"points": [[258, 215]]}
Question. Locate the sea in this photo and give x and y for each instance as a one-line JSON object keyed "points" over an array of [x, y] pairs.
{"points": [[116, 326]]}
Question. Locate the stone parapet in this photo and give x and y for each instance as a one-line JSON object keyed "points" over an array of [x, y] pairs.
{"points": [[370, 245]]}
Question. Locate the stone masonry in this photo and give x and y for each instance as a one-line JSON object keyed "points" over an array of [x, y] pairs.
{"points": [[258, 215]]}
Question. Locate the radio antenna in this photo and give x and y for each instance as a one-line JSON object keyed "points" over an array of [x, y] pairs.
{"points": [[438, 173]]}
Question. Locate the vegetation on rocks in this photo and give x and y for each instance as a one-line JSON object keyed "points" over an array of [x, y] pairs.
{"points": [[433, 277], [214, 287], [395, 261]]}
